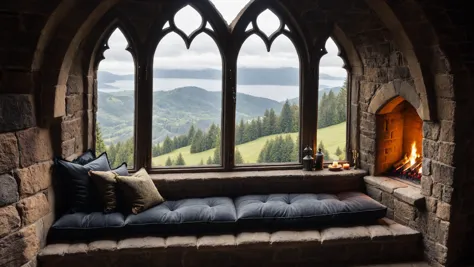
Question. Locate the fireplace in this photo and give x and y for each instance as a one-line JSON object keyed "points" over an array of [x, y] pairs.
{"points": [[399, 141]]}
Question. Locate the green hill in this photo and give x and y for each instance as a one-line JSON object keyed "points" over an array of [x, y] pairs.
{"points": [[332, 137]]}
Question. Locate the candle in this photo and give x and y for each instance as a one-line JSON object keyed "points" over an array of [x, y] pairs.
{"points": [[346, 166], [334, 164]]}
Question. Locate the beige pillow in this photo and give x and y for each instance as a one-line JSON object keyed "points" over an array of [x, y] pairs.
{"points": [[105, 183], [140, 191]]}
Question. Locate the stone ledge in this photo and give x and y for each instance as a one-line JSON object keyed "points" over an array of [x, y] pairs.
{"points": [[233, 184], [401, 191]]}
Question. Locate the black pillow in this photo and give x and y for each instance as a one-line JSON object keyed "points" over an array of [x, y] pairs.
{"points": [[85, 158], [122, 170], [79, 187]]}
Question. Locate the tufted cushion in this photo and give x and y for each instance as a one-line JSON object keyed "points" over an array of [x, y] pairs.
{"points": [[80, 226], [352, 207], [184, 216]]}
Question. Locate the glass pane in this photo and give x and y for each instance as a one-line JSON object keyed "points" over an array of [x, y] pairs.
{"points": [[268, 22], [188, 20], [116, 103], [229, 9], [267, 115], [332, 109], [187, 103]]}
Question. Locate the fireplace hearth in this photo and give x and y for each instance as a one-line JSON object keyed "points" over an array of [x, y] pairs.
{"points": [[399, 141]]}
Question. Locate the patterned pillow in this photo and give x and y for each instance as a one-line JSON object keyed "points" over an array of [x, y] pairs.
{"points": [[140, 192]]}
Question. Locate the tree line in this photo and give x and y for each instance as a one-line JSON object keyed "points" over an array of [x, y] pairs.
{"points": [[332, 108], [278, 150]]}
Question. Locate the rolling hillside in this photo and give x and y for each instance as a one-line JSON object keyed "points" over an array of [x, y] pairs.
{"points": [[332, 137]]}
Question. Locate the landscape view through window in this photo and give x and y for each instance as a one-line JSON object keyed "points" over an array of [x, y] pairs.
{"points": [[187, 98]]}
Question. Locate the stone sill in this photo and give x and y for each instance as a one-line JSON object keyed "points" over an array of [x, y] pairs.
{"points": [[405, 192], [324, 174]]}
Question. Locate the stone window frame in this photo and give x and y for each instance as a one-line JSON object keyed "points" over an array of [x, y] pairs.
{"points": [[229, 40]]}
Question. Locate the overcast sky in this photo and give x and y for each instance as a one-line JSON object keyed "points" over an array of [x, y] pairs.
{"points": [[172, 54]]}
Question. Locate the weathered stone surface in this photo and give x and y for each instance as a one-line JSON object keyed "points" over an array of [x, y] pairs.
{"points": [[410, 195], [343, 235], [447, 194], [292, 237], [9, 220], [9, 154], [404, 211], [443, 211], [35, 146], [34, 178], [386, 184], [379, 232], [431, 130], [8, 190], [16, 112], [216, 241], [431, 204], [142, 243], [74, 103], [374, 192], [447, 131], [401, 232], [68, 148], [31, 263], [426, 166], [102, 246], [257, 238], [437, 190], [20, 247], [442, 173], [446, 153], [430, 149], [426, 185], [70, 129], [33, 208], [388, 200], [181, 241]]}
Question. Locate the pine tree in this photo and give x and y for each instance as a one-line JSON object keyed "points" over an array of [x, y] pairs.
{"points": [[209, 161], [175, 143], [99, 141], [273, 122], [201, 163], [156, 150], [211, 135], [167, 145], [286, 118], [341, 104], [295, 109], [112, 154], [338, 152], [295, 156], [180, 160], [259, 127], [238, 157], [327, 156], [191, 133], [240, 133], [169, 162], [217, 154], [266, 128], [196, 144]]}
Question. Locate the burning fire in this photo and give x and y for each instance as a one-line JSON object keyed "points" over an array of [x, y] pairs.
{"points": [[410, 166]]}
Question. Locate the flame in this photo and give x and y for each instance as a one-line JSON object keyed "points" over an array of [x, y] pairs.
{"points": [[421, 170], [413, 155]]}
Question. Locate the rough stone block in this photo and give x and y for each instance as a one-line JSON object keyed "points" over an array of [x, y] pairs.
{"points": [[426, 185], [74, 103], [246, 239], [292, 237], [9, 156], [403, 210], [35, 146], [443, 232], [8, 190], [431, 130], [9, 220], [33, 208], [446, 109], [446, 153], [403, 233], [17, 112], [70, 129], [219, 241], [443, 211], [411, 196], [374, 192], [141, 243], [181, 241], [447, 194], [336, 235], [20, 247], [379, 232], [388, 200], [68, 148], [31, 263], [426, 166], [447, 131], [431, 204], [386, 184], [442, 173], [103, 246], [437, 190], [34, 178], [430, 149]]}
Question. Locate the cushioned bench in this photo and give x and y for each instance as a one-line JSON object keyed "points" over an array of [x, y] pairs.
{"points": [[221, 214]]}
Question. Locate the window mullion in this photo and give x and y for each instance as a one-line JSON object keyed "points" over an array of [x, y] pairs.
{"points": [[144, 109], [228, 111], [309, 103]]}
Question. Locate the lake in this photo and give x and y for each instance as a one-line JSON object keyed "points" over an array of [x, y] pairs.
{"points": [[275, 92]]}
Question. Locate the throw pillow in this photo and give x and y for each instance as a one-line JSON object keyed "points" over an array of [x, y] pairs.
{"points": [[105, 183], [77, 181], [122, 170], [85, 158], [140, 191]]}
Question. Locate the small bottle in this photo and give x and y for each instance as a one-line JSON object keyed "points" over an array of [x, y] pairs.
{"points": [[318, 165], [308, 160]]}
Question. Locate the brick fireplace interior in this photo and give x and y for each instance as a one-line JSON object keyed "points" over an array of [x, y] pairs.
{"points": [[399, 140]]}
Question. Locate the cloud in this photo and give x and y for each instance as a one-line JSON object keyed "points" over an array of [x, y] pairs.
{"points": [[204, 53]]}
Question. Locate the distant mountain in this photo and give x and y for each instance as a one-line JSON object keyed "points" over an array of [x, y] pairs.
{"points": [[174, 111], [335, 90], [246, 76]]}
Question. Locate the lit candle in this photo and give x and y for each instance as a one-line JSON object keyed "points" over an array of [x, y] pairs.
{"points": [[346, 166], [334, 164]]}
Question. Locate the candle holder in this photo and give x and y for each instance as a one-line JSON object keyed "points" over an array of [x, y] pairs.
{"points": [[355, 157]]}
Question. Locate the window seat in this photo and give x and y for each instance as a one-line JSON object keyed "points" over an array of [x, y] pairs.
{"points": [[384, 241], [217, 215]]}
